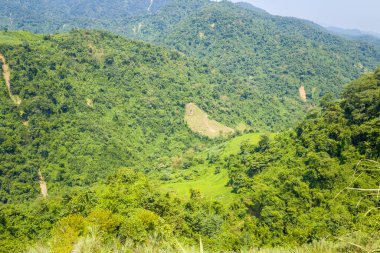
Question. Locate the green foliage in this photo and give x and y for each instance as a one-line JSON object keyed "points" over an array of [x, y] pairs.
{"points": [[66, 233], [209, 176], [129, 209], [93, 102], [17, 38], [212, 185], [289, 193], [293, 186], [264, 58]]}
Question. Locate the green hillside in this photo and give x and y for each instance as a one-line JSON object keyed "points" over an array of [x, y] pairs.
{"points": [[77, 106], [276, 55], [308, 186], [264, 59], [184, 126], [321, 179], [208, 178], [211, 185], [234, 145], [16, 38], [91, 103]]}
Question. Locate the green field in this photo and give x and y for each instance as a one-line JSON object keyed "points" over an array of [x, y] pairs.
{"points": [[233, 146], [14, 38], [213, 186]]}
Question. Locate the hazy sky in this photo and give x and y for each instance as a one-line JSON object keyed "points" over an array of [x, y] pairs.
{"points": [[352, 14]]}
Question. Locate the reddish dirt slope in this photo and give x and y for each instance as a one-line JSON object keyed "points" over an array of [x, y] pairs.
{"points": [[302, 92]]}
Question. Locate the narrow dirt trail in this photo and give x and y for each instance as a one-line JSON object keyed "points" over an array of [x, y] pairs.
{"points": [[43, 185], [7, 79]]}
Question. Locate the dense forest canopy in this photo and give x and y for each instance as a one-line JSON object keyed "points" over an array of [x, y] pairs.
{"points": [[92, 102], [307, 183], [184, 126], [267, 57], [297, 188]]}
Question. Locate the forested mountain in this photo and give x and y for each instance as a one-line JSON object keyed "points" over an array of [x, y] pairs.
{"points": [[356, 35], [309, 184], [174, 123], [275, 54], [90, 102], [268, 57], [28, 14], [82, 104], [321, 179]]}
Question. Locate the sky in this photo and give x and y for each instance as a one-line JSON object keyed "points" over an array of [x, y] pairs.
{"points": [[349, 14]]}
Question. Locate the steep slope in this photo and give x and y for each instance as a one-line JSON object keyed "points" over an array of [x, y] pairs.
{"points": [[265, 58], [317, 184], [7, 80], [91, 102], [198, 121], [273, 53], [321, 179]]}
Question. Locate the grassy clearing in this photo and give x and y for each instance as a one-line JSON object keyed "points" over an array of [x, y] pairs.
{"points": [[16, 38], [198, 122], [213, 186], [233, 146]]}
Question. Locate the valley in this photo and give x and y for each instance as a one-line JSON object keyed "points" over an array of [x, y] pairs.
{"points": [[184, 126], [210, 179]]}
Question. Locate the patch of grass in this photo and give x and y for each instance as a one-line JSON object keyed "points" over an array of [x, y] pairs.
{"points": [[198, 122], [233, 146], [212, 186], [16, 38]]}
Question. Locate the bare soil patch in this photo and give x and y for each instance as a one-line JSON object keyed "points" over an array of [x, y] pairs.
{"points": [[302, 92], [7, 79], [43, 185], [198, 121]]}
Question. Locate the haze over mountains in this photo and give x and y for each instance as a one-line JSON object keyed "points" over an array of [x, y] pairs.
{"points": [[347, 14], [354, 34]]}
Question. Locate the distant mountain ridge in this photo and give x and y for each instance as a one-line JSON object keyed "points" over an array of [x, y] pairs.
{"points": [[249, 6], [352, 32], [355, 34]]}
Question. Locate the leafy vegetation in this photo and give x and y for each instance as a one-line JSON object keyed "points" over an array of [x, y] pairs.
{"points": [[91, 103], [233, 146], [205, 171], [310, 182], [212, 183], [113, 145], [264, 58], [298, 188]]}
